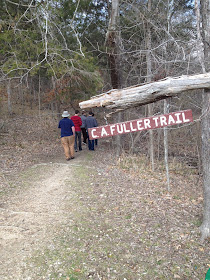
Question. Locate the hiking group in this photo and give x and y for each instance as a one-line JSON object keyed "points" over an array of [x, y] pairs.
{"points": [[74, 129]]}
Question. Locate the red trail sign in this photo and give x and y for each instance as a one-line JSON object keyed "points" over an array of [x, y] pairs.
{"points": [[141, 124]]}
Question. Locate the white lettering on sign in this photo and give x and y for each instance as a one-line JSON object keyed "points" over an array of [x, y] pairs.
{"points": [[103, 132], [147, 123], [141, 124], [170, 119], [132, 128], [112, 129], [125, 130], [163, 121], [92, 133], [178, 119], [184, 119], [156, 120], [120, 128]]}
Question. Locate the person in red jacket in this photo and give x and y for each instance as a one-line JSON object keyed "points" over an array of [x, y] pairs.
{"points": [[77, 123]]}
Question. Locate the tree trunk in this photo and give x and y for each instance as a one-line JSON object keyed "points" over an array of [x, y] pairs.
{"points": [[149, 79], [57, 102], [39, 96], [151, 139], [205, 126], [9, 102], [165, 131], [205, 123], [199, 38], [113, 43], [144, 94], [30, 92], [119, 137]]}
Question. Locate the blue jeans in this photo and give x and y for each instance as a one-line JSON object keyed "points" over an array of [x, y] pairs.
{"points": [[90, 144]]}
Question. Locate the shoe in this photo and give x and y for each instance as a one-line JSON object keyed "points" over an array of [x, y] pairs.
{"points": [[68, 158], [72, 157], [76, 151], [80, 149], [84, 143]]}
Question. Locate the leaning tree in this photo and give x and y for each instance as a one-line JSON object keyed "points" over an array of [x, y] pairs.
{"points": [[121, 99], [205, 124]]}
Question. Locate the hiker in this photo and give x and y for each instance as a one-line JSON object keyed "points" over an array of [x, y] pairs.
{"points": [[89, 123], [67, 135], [83, 129], [77, 123], [96, 140]]}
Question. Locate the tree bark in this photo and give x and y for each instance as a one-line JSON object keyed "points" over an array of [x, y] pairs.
{"points": [[165, 130], [9, 102], [205, 127], [149, 79], [113, 43], [122, 99], [205, 123], [199, 38], [39, 96]]}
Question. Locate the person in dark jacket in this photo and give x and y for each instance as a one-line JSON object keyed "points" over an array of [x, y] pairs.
{"points": [[89, 123], [96, 140], [67, 135], [77, 123], [83, 129]]}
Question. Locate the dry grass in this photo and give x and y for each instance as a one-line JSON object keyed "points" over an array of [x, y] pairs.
{"points": [[127, 226], [123, 223]]}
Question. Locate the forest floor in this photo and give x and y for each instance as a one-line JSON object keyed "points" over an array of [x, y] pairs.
{"points": [[94, 217]]}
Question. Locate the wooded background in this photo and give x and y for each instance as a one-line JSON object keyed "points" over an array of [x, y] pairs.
{"points": [[55, 54]]}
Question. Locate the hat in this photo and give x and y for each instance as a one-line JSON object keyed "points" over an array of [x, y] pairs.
{"points": [[65, 114]]}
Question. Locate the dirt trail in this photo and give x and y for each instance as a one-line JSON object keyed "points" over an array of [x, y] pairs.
{"points": [[90, 219], [30, 218]]}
